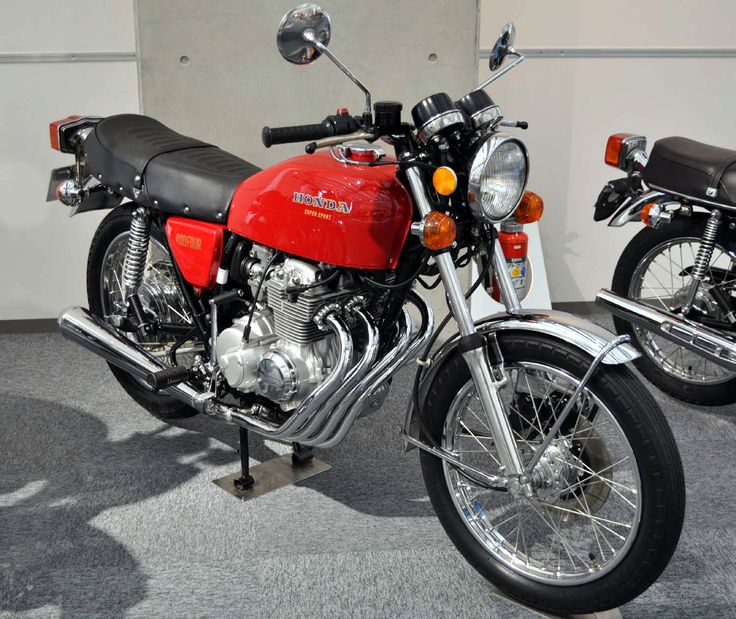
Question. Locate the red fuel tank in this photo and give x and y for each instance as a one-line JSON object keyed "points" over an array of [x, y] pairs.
{"points": [[318, 208]]}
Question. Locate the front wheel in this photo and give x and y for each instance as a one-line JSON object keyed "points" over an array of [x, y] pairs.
{"points": [[608, 495]]}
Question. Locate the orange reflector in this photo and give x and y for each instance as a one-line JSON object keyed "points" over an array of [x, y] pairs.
{"points": [[530, 208], [645, 213], [613, 148], [438, 230], [444, 181]]}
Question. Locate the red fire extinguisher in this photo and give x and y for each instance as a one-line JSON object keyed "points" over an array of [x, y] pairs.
{"points": [[515, 243]]}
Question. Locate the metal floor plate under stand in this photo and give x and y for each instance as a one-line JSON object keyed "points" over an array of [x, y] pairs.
{"points": [[272, 475]]}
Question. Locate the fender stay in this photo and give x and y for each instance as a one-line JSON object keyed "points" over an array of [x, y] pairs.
{"points": [[580, 333]]}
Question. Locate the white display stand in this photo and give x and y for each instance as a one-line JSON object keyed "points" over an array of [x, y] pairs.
{"points": [[481, 303]]}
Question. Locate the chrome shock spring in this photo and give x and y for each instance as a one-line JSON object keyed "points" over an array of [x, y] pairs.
{"points": [[707, 244], [702, 260], [135, 258]]}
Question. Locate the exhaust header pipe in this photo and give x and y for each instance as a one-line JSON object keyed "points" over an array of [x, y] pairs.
{"points": [[699, 339]]}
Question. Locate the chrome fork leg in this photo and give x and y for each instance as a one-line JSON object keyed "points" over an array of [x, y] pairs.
{"points": [[476, 356], [474, 352]]}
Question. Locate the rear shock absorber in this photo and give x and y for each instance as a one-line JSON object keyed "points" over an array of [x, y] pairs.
{"points": [[702, 260], [134, 264]]}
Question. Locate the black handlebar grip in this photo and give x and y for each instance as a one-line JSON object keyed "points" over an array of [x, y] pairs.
{"points": [[297, 133]]}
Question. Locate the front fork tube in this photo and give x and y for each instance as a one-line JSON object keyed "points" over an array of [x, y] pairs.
{"points": [[486, 384], [474, 350]]}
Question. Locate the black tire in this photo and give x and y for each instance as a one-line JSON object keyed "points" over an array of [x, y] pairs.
{"points": [[115, 223], [658, 463], [644, 241]]}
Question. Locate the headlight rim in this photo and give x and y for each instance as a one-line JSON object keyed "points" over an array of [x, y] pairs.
{"points": [[490, 144]]}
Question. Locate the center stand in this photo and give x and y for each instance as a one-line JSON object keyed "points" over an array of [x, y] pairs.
{"points": [[272, 474]]}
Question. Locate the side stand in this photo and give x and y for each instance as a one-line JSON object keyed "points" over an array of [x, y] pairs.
{"points": [[245, 481]]}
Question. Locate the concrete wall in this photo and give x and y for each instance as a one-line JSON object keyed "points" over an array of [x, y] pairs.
{"points": [[235, 81], [43, 252], [573, 104]]}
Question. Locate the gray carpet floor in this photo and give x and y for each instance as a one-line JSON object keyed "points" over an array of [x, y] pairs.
{"points": [[104, 511]]}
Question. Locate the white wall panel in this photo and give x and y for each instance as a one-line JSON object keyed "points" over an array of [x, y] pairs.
{"points": [[623, 23], [572, 105], [42, 251]]}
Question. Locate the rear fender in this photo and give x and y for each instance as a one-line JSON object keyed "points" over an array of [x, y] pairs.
{"points": [[630, 210], [581, 334]]}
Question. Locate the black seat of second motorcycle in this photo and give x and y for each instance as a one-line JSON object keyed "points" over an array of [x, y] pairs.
{"points": [[693, 169], [149, 163]]}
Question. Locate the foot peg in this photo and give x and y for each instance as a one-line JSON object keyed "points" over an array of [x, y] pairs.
{"points": [[169, 377]]}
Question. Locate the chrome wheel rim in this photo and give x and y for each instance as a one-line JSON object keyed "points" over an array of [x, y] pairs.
{"points": [[563, 535], [159, 293], [659, 281]]}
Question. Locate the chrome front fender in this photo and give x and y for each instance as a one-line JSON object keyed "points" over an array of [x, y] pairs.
{"points": [[573, 330]]}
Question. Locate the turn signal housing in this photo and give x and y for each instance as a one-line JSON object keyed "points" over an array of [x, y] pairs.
{"points": [[444, 181], [438, 231], [645, 213], [530, 208]]}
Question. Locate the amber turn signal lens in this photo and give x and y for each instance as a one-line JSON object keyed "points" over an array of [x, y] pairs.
{"points": [[444, 181], [645, 213], [530, 208], [438, 230]]}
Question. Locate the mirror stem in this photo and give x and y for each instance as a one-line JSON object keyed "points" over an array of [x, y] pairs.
{"points": [[502, 72], [310, 37]]}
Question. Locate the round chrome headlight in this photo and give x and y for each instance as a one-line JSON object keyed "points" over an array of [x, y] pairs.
{"points": [[497, 177]]}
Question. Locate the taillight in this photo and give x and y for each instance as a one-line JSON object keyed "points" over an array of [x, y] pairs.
{"points": [[620, 146], [55, 130], [61, 131]]}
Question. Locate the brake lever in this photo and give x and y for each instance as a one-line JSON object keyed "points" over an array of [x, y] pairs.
{"points": [[516, 124], [339, 139]]}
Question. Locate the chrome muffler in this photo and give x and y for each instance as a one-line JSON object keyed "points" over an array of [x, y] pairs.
{"points": [[699, 339], [94, 334], [80, 326]]}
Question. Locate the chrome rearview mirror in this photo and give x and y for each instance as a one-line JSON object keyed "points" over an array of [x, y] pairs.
{"points": [[302, 34], [504, 45]]}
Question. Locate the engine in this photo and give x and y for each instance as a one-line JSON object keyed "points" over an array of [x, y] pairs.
{"points": [[286, 356]]}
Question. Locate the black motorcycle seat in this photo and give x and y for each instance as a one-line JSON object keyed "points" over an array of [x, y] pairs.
{"points": [[692, 169], [154, 166]]}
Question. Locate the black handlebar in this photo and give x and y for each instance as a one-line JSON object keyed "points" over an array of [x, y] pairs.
{"points": [[296, 133], [338, 124]]}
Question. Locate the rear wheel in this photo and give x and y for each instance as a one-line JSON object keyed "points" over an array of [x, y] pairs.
{"points": [[160, 296], [654, 269], [608, 497]]}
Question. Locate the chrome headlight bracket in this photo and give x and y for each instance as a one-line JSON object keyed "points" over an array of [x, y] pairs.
{"points": [[494, 194]]}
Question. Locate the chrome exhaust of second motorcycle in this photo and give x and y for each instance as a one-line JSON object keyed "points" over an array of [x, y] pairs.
{"points": [[322, 420], [697, 338]]}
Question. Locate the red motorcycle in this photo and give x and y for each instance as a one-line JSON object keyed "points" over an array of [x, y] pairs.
{"points": [[282, 300]]}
